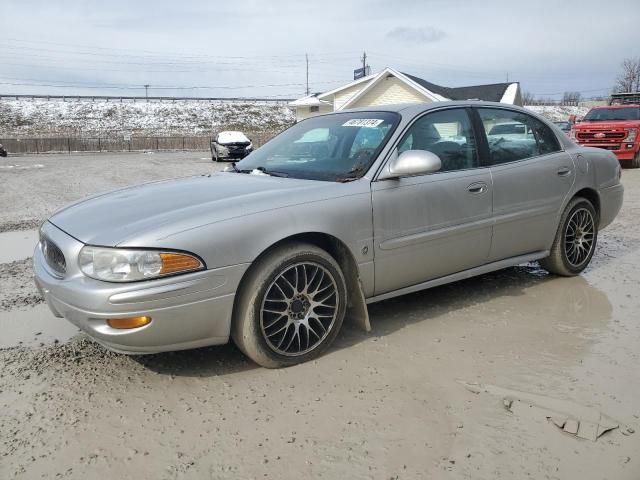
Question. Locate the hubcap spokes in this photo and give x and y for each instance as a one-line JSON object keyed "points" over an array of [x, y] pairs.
{"points": [[579, 237], [299, 309]]}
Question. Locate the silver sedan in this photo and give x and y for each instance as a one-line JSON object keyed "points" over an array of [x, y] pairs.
{"points": [[336, 212]]}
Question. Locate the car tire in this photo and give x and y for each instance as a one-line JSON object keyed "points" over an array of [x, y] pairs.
{"points": [[635, 163], [275, 322], [575, 240], [214, 155]]}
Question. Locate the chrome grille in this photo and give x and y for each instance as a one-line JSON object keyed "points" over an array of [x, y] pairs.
{"points": [[601, 135], [54, 256]]}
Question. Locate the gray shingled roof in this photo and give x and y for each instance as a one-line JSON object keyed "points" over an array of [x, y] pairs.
{"points": [[491, 93]]}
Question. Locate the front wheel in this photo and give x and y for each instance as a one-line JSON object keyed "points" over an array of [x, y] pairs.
{"points": [[575, 239], [290, 307], [635, 163]]}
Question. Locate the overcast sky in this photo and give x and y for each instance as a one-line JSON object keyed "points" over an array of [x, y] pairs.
{"points": [[257, 48]]}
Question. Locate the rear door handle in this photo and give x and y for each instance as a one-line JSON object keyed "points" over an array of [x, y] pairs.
{"points": [[563, 172], [478, 187]]}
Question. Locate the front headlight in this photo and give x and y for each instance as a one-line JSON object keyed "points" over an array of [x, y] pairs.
{"points": [[129, 265], [631, 134], [222, 149]]}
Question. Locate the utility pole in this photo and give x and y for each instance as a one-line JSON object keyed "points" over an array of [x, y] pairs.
{"points": [[146, 91], [364, 63], [306, 57], [507, 77]]}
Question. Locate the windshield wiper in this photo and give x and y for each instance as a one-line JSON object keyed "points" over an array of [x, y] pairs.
{"points": [[272, 173], [239, 170], [352, 174]]}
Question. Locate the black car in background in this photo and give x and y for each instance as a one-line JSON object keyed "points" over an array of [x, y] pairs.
{"points": [[230, 145], [3, 151]]}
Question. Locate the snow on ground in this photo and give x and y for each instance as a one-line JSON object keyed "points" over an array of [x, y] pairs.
{"points": [[27, 117], [558, 112], [232, 137]]}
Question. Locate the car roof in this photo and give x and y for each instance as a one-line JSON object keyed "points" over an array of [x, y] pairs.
{"points": [[411, 110], [414, 108]]}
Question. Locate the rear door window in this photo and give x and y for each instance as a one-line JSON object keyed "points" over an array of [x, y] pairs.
{"points": [[514, 136]]}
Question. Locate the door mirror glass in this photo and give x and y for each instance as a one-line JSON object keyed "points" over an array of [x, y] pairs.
{"points": [[411, 162]]}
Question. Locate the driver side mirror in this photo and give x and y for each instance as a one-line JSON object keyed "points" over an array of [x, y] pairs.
{"points": [[409, 163]]}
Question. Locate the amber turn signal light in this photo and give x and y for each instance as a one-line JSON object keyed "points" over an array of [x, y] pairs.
{"points": [[175, 262], [131, 322]]}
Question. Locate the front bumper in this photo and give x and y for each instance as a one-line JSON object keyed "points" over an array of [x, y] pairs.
{"points": [[620, 150], [187, 311], [234, 155], [231, 153]]}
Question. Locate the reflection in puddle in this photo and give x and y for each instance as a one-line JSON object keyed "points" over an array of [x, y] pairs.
{"points": [[572, 302], [17, 245], [21, 167], [517, 311]]}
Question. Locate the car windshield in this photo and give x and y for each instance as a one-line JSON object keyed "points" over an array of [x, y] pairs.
{"points": [[606, 114], [337, 147]]}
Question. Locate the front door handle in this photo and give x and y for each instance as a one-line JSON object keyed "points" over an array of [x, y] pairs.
{"points": [[564, 171], [478, 187]]}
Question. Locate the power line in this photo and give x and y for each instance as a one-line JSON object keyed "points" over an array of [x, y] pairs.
{"points": [[147, 53], [138, 87], [120, 86], [578, 91]]}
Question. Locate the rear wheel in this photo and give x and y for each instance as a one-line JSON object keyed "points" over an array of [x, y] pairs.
{"points": [[575, 239], [290, 307]]}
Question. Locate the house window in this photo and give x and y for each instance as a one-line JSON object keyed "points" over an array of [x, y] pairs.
{"points": [[314, 109]]}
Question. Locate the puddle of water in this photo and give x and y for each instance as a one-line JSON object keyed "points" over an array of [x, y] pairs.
{"points": [[21, 167], [32, 327], [17, 245]]}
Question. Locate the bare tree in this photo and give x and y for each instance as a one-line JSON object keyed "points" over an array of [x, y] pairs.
{"points": [[629, 79], [528, 98], [571, 98]]}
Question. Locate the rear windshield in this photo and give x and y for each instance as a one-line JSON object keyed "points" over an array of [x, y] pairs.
{"points": [[612, 114]]}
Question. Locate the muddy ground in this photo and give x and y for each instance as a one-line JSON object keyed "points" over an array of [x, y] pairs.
{"points": [[381, 405]]}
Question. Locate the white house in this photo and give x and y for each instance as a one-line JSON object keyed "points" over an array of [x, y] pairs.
{"points": [[391, 87]]}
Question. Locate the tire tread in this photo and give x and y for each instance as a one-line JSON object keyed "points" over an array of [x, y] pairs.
{"points": [[243, 329], [555, 263]]}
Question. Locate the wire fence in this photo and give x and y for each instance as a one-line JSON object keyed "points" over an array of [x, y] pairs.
{"points": [[109, 144]]}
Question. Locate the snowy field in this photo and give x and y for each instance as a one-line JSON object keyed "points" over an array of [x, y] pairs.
{"points": [[28, 118], [86, 118], [558, 112]]}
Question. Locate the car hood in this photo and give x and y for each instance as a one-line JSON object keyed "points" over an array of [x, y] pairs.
{"points": [[170, 206]]}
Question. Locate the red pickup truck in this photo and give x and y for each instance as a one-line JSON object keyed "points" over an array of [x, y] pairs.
{"points": [[613, 127]]}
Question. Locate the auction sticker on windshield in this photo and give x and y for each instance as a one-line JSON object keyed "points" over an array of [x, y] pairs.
{"points": [[363, 122]]}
